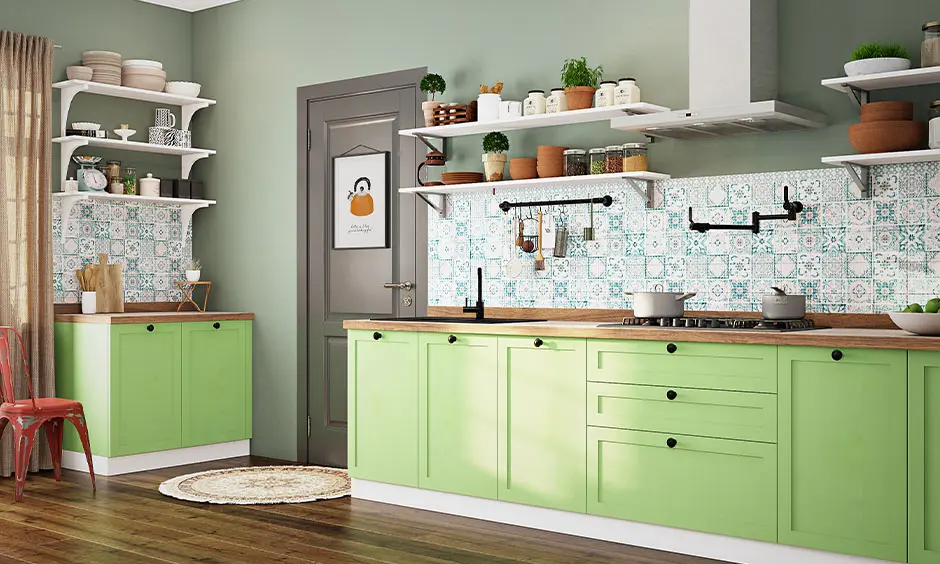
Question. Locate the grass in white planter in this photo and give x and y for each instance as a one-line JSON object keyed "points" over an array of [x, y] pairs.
{"points": [[875, 58]]}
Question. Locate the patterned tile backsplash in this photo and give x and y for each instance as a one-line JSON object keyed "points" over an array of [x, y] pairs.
{"points": [[146, 239], [847, 254]]}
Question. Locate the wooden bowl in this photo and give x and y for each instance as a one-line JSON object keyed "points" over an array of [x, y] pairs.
{"points": [[887, 111], [887, 136], [521, 169]]}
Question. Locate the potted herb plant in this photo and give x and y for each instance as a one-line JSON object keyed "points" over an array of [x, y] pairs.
{"points": [[193, 270], [432, 84], [580, 82], [494, 161], [874, 58]]}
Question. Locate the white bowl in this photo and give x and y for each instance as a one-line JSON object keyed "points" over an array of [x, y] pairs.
{"points": [[876, 66], [917, 323], [142, 63], [86, 125], [180, 88]]}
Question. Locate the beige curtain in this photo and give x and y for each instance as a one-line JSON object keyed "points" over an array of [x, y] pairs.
{"points": [[25, 214]]}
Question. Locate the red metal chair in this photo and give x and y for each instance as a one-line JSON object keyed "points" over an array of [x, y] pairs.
{"points": [[26, 418]]}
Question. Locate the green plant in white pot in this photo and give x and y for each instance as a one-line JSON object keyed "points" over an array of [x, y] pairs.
{"points": [[495, 144], [432, 84], [874, 58], [193, 270]]}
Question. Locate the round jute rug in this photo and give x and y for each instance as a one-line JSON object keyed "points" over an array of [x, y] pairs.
{"points": [[259, 485]]}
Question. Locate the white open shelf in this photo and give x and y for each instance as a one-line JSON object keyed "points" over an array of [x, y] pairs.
{"points": [[70, 88], [188, 206], [857, 166], [73, 142], [881, 81], [529, 122]]}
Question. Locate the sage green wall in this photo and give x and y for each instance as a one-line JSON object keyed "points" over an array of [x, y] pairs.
{"points": [[136, 30], [254, 54]]}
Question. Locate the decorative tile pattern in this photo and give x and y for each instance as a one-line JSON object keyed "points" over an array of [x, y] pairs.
{"points": [[143, 238], [846, 254]]}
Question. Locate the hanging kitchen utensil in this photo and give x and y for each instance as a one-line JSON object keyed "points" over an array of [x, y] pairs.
{"points": [[589, 231], [514, 266], [561, 236], [539, 257], [528, 238], [521, 237]]}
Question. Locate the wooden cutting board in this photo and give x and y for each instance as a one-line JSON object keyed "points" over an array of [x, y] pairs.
{"points": [[109, 284]]}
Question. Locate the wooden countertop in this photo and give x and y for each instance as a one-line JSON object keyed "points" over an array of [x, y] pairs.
{"points": [[841, 337], [151, 317]]}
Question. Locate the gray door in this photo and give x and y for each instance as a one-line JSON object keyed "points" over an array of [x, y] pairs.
{"points": [[353, 284]]}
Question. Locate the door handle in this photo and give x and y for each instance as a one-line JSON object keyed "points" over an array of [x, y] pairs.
{"points": [[406, 285]]}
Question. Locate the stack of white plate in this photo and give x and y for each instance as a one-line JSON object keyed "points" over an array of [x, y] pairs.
{"points": [[147, 75], [105, 65]]}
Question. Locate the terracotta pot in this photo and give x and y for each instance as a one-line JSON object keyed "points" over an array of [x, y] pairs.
{"points": [[493, 166], [580, 97], [887, 111], [521, 169], [428, 109], [887, 136]]}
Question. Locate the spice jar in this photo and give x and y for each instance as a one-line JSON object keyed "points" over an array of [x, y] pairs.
{"points": [[534, 104], [930, 48], [576, 163], [613, 159], [556, 101], [115, 180], [635, 157], [597, 159], [130, 181], [934, 118], [627, 92], [605, 94]]}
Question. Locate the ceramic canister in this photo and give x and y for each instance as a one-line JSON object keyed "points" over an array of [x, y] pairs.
{"points": [[150, 186], [162, 135]]}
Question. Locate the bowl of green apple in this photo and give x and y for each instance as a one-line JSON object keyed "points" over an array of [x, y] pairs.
{"points": [[918, 319]]}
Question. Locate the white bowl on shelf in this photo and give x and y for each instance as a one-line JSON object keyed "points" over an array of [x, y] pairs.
{"points": [[86, 125], [181, 88], [876, 66], [917, 323], [142, 63]]}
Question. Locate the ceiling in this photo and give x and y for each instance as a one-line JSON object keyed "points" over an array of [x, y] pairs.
{"points": [[190, 5]]}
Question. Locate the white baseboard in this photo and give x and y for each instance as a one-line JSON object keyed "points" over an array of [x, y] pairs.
{"points": [[152, 460], [693, 543]]}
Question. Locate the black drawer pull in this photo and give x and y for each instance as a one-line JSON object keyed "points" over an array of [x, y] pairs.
{"points": [[376, 335], [671, 348], [216, 325], [671, 442], [671, 395], [837, 355], [539, 342], [150, 328], [452, 339]]}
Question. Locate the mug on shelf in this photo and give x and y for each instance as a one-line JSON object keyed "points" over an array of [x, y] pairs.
{"points": [[163, 117], [162, 136]]}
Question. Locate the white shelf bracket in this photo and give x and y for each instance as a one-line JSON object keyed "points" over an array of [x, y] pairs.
{"points": [[857, 95], [66, 203], [189, 110], [860, 178], [66, 150], [645, 188], [65, 103], [186, 215], [189, 161], [440, 207]]}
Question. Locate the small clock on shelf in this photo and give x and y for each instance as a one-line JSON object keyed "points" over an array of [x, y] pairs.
{"points": [[90, 179]]}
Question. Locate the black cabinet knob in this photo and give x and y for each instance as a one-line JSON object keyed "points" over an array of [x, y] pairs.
{"points": [[539, 342], [837, 355], [376, 335], [671, 442], [216, 325], [150, 328], [671, 395], [671, 348], [452, 339]]}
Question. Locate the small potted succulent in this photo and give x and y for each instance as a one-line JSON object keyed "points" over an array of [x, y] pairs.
{"points": [[432, 84], [494, 161], [874, 58], [193, 270], [580, 82]]}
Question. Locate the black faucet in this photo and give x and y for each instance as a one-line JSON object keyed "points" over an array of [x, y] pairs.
{"points": [[477, 309]]}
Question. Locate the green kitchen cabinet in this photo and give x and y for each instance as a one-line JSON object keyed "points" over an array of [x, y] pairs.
{"points": [[542, 422], [383, 406], [923, 457], [712, 485], [457, 414], [843, 450], [216, 382]]}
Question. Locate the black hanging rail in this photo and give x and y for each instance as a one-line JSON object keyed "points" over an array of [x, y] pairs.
{"points": [[606, 201]]}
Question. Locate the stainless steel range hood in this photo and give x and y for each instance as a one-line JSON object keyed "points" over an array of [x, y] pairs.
{"points": [[732, 77]]}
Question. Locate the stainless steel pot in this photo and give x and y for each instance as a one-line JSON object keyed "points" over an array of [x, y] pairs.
{"points": [[659, 304], [780, 305]]}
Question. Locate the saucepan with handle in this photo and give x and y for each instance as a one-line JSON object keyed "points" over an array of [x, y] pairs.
{"points": [[780, 305], [659, 304]]}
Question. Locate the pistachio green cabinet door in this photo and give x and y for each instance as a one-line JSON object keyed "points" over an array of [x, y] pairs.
{"points": [[145, 388], [542, 422], [383, 406], [216, 400], [843, 451], [457, 414], [924, 457]]}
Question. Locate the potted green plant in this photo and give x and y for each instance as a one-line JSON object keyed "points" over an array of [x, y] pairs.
{"points": [[432, 84], [580, 82], [193, 270], [874, 58], [494, 161]]}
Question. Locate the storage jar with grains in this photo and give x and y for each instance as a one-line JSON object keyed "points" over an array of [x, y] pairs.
{"points": [[534, 104], [935, 124], [576, 163], [130, 181], [115, 180], [597, 159], [930, 48], [635, 157], [605, 94], [613, 161], [556, 101], [627, 92]]}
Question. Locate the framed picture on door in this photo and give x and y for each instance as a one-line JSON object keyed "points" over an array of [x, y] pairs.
{"points": [[361, 201]]}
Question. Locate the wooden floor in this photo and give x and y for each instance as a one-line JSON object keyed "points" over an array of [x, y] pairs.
{"points": [[130, 521]]}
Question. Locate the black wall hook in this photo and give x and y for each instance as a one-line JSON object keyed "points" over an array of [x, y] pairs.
{"points": [[792, 208]]}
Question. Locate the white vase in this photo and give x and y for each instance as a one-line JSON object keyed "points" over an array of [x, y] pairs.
{"points": [[89, 302], [193, 275], [493, 166]]}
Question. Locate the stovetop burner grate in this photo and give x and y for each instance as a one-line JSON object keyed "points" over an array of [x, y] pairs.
{"points": [[724, 323]]}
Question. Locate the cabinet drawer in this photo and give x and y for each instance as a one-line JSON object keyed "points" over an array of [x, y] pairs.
{"points": [[711, 485], [707, 413], [744, 368]]}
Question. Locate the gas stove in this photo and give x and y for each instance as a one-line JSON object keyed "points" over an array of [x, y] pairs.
{"points": [[719, 323]]}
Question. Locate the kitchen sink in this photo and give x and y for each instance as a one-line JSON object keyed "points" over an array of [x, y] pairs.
{"points": [[484, 321]]}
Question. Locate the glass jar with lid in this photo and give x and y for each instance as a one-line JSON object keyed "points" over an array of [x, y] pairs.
{"points": [[635, 157], [534, 104], [576, 163], [934, 118], [115, 180], [613, 159], [605, 94], [597, 157], [556, 101], [130, 181], [627, 92], [930, 48]]}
